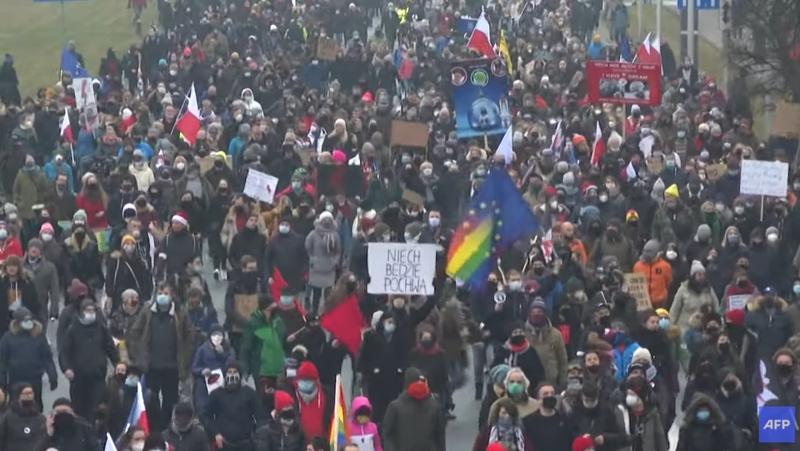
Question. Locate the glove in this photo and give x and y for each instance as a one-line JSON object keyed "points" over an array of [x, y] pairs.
{"points": [[206, 372], [53, 384]]}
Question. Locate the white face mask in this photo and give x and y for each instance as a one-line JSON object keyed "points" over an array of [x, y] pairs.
{"points": [[137, 446], [515, 285], [434, 222], [631, 400], [772, 237], [47, 237], [427, 172], [180, 166], [671, 255], [554, 205], [128, 248], [283, 228], [603, 197]]}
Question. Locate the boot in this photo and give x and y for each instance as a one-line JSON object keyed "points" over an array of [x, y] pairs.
{"points": [[478, 391]]}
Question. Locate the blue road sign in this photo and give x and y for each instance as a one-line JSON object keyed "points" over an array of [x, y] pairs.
{"points": [[700, 4]]}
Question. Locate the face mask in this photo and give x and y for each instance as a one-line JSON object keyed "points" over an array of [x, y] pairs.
{"points": [[128, 248], [590, 404], [772, 237], [434, 222], [63, 421], [733, 239], [702, 415], [663, 323], [739, 210], [603, 198], [162, 300], [784, 370], [132, 381], [296, 186], [89, 318], [515, 388], [47, 237], [233, 380], [283, 229], [515, 285], [287, 422], [3, 234], [216, 339], [137, 446], [427, 172], [796, 289], [631, 400], [671, 255], [389, 328], [594, 369], [549, 402], [554, 205], [306, 386]]}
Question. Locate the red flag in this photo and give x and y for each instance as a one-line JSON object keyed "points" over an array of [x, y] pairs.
{"points": [[649, 51], [189, 123], [599, 147], [480, 39], [66, 128], [278, 284], [344, 322]]}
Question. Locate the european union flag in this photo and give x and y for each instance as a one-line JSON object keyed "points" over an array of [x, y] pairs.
{"points": [[625, 49], [71, 65], [497, 217]]}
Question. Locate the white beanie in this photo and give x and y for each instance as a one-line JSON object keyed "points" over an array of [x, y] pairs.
{"points": [[696, 268], [376, 318], [642, 355]]}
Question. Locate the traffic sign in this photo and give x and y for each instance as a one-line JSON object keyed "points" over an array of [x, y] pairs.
{"points": [[701, 4]]}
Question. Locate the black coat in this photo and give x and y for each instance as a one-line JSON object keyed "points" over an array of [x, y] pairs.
{"points": [[123, 273], [195, 439], [270, 437], [25, 356], [29, 300], [248, 242], [84, 262], [600, 421], [288, 254], [433, 365], [233, 413], [87, 349], [82, 437], [20, 431], [528, 361]]}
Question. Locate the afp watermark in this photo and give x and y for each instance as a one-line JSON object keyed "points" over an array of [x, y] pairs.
{"points": [[776, 424]]}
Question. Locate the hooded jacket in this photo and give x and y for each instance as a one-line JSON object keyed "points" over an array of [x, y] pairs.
{"points": [[192, 439], [25, 355], [687, 301], [262, 345], [413, 425], [549, 345], [712, 435], [366, 436], [324, 252], [772, 327], [140, 343], [490, 434]]}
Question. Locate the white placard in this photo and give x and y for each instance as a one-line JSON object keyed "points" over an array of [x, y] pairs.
{"points": [[737, 301], [401, 268], [214, 380], [764, 178], [260, 186]]}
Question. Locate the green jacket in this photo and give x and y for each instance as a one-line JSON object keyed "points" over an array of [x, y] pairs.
{"points": [[262, 346]]}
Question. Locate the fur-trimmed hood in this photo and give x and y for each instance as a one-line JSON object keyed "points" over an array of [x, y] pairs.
{"points": [[15, 328], [698, 400], [754, 304], [509, 405]]}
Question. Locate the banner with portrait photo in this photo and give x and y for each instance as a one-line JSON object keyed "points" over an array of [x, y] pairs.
{"points": [[480, 97], [626, 83]]}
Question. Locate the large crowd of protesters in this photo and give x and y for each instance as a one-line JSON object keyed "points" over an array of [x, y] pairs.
{"points": [[113, 238]]}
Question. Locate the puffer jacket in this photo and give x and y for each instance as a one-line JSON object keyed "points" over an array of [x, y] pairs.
{"points": [[366, 436], [712, 435], [25, 356], [659, 276]]}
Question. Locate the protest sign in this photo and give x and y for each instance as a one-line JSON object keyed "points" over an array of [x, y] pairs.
{"points": [[260, 186], [85, 101], [786, 121], [764, 178], [401, 268], [409, 134], [715, 171], [480, 90], [737, 301], [636, 285], [327, 49], [214, 380], [628, 83]]}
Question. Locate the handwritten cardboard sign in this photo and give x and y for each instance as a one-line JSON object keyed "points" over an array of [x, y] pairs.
{"points": [[401, 268], [636, 285]]}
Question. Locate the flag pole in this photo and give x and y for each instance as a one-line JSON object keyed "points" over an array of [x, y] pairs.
{"points": [[72, 154], [177, 116]]}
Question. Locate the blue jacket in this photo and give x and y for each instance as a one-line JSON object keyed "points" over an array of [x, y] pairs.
{"points": [[623, 359], [52, 170], [207, 357]]}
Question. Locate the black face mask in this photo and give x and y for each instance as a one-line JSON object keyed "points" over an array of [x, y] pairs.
{"points": [[63, 421], [249, 280], [549, 402], [351, 286], [730, 385], [426, 344], [784, 370], [594, 369], [517, 340]]}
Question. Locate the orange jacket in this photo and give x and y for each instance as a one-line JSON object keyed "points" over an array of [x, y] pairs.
{"points": [[659, 275]]}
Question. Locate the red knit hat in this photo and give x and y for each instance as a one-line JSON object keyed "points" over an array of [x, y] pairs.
{"points": [[181, 217], [583, 443], [735, 317], [283, 401], [496, 447], [308, 370]]}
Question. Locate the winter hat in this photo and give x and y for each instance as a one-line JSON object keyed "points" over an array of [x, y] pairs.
{"points": [[496, 446], [338, 156], [181, 217], [308, 370], [672, 191], [662, 313], [703, 232], [539, 303], [413, 229], [325, 215], [697, 267], [80, 216], [376, 318], [651, 248], [128, 239], [283, 401], [735, 317], [631, 216], [412, 375], [77, 290], [578, 139], [568, 179], [583, 443], [22, 313], [498, 373], [35, 242], [562, 167], [642, 354], [85, 178], [47, 228], [128, 211]]}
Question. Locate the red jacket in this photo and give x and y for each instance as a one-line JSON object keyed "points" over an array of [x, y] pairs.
{"points": [[92, 208], [11, 246]]}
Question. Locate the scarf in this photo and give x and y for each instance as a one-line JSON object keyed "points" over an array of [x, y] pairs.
{"points": [[510, 437], [418, 390]]}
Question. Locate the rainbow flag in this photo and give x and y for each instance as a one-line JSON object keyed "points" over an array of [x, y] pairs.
{"points": [[497, 217], [340, 435]]}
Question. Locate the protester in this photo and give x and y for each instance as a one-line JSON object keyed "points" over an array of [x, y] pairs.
{"points": [[23, 426]]}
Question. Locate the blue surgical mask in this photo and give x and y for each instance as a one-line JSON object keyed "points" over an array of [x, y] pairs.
{"points": [[3, 234], [663, 323], [132, 381], [389, 328], [162, 299], [702, 415], [796, 289], [306, 386]]}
